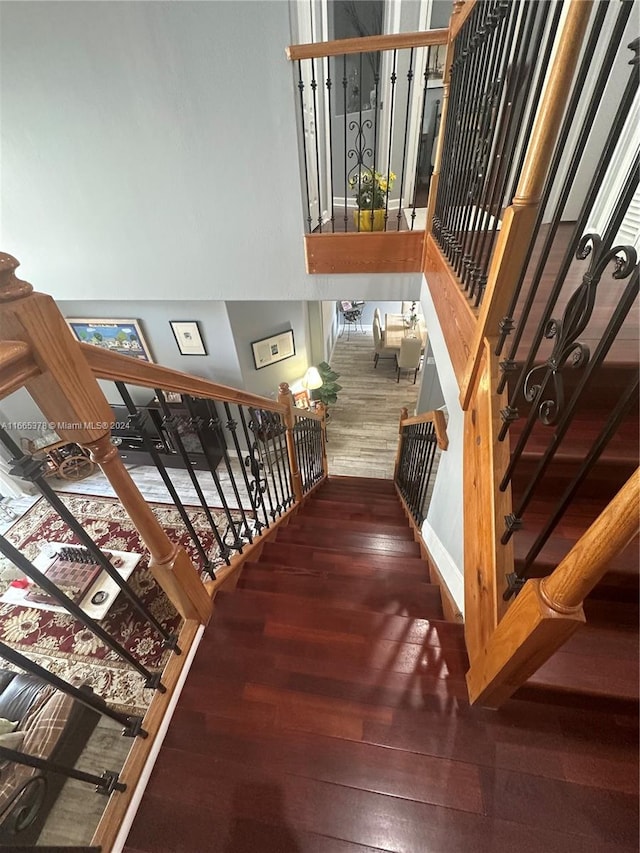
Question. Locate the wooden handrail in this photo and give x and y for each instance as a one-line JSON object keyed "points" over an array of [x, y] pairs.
{"points": [[519, 219], [585, 564], [122, 368], [16, 366], [548, 611], [439, 422], [368, 44]]}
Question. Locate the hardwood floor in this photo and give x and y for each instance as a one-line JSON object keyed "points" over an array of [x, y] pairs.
{"points": [[326, 711], [363, 427]]}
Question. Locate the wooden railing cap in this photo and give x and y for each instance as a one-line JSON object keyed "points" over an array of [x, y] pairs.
{"points": [[11, 287]]}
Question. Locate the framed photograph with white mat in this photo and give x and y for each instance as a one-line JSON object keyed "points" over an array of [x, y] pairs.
{"points": [[271, 350], [188, 337]]}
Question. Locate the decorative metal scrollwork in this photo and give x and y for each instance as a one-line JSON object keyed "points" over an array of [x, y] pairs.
{"points": [[567, 350], [360, 150]]}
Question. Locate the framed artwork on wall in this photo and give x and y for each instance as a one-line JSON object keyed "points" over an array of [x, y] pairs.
{"points": [[271, 350], [120, 336], [188, 337]]}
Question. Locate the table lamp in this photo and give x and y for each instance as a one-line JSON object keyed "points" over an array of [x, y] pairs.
{"points": [[312, 379]]}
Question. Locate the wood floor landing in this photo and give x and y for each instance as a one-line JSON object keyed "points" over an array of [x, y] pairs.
{"points": [[326, 712]]}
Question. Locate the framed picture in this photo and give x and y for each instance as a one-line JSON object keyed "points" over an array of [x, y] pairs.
{"points": [[121, 336], [188, 338], [301, 399], [271, 350]]}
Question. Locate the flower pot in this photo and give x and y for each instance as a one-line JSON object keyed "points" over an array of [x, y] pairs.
{"points": [[369, 222]]}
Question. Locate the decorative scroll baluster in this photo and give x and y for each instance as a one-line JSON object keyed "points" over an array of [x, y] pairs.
{"points": [[314, 89], [508, 364], [258, 487]]}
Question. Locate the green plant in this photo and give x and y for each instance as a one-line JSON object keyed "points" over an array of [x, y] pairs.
{"points": [[328, 391], [371, 188]]}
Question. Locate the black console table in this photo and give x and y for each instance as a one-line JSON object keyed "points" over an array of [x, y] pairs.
{"points": [[131, 444]]}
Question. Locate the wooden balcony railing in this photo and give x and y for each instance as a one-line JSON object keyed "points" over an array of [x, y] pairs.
{"points": [[366, 148]]}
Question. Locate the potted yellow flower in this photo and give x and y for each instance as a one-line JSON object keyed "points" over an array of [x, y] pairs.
{"points": [[371, 195]]}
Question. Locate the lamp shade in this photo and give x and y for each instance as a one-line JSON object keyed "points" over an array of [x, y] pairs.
{"points": [[312, 379]]}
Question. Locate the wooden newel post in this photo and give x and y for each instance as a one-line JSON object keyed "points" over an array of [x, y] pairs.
{"points": [[321, 409], [404, 414], [70, 398], [286, 398]]}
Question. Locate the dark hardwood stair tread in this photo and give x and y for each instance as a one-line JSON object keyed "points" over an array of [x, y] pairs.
{"points": [[322, 523], [368, 484], [346, 541], [293, 554], [392, 595], [320, 620]]}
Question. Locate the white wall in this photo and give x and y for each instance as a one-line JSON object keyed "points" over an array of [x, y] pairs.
{"points": [[149, 150], [251, 321], [442, 529]]}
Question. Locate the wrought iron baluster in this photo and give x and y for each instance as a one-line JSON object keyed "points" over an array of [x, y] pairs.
{"points": [[329, 85], [170, 423], [31, 470], [628, 400], [482, 140], [24, 565], [138, 422], [198, 423], [259, 486], [509, 99], [304, 145], [131, 722], [232, 426], [410, 76], [507, 323], [314, 89], [393, 79], [216, 423], [471, 110], [420, 143], [627, 99], [107, 783], [566, 417], [344, 96]]}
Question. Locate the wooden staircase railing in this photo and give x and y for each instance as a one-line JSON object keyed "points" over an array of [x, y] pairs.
{"points": [[38, 353], [476, 313]]}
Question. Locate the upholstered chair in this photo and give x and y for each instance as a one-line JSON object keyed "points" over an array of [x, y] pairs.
{"points": [[380, 350], [377, 315], [409, 357]]}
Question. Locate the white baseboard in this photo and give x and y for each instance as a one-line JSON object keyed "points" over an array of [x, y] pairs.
{"points": [[445, 564]]}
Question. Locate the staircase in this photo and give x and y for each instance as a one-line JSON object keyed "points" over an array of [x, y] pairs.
{"points": [[598, 666], [326, 710]]}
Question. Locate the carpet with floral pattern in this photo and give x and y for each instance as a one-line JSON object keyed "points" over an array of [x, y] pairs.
{"points": [[63, 645]]}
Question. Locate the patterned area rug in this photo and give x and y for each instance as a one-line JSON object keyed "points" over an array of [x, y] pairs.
{"points": [[63, 645]]}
